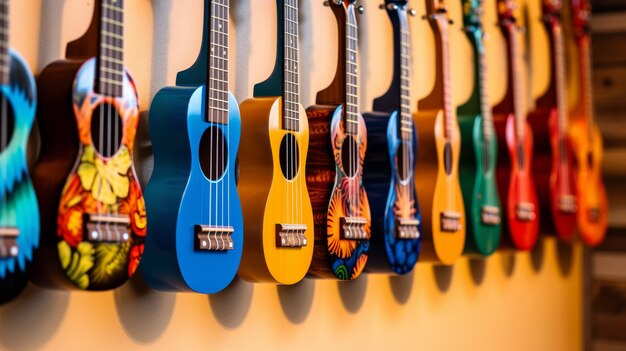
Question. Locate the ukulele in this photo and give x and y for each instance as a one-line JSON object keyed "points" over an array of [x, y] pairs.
{"points": [[277, 210], [479, 146], [553, 155], [438, 186], [587, 145], [93, 215], [334, 171], [19, 214], [195, 234], [388, 166], [515, 156]]}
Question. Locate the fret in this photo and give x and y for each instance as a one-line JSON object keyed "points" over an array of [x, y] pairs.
{"points": [[110, 60], [217, 62], [291, 87], [113, 22]]}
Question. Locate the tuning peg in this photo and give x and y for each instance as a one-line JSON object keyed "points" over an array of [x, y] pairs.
{"points": [[412, 12], [360, 9], [381, 6], [336, 2]]}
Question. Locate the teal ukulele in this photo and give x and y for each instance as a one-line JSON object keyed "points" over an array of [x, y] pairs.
{"points": [[478, 147]]}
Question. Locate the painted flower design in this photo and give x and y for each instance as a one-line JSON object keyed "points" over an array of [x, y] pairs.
{"points": [[106, 179]]}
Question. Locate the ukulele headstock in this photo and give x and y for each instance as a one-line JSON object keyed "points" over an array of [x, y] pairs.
{"points": [[394, 5], [508, 14], [473, 12], [551, 11], [437, 14], [581, 13], [343, 5]]}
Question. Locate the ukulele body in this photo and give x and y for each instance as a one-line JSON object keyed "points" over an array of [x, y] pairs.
{"points": [[17, 198], [439, 192], [592, 199], [550, 173], [392, 199], [265, 189], [516, 184], [74, 181], [477, 173], [334, 196], [182, 195]]}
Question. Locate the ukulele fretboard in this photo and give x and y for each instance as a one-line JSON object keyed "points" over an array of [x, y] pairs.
{"points": [[449, 115], [217, 84], [352, 78], [561, 79], [406, 124], [291, 90], [517, 81], [4, 42], [110, 67]]}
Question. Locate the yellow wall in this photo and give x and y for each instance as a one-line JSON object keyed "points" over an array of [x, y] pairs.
{"points": [[509, 302]]}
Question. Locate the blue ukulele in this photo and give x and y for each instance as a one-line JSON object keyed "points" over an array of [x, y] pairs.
{"points": [[195, 233], [19, 213], [388, 166]]}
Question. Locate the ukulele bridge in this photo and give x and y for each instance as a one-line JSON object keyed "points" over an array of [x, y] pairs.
{"points": [[8, 242], [567, 204], [290, 235], [490, 215], [525, 211], [213, 238], [109, 228], [407, 228], [353, 228], [450, 221]]}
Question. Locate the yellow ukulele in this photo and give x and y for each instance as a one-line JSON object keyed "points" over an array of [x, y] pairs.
{"points": [[278, 219], [436, 169]]}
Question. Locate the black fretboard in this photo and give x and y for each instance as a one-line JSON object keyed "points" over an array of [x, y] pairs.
{"points": [[352, 77], [291, 88], [405, 120], [4, 42], [110, 60], [217, 82]]}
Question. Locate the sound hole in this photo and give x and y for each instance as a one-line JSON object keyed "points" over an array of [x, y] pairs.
{"points": [[7, 122], [403, 161], [106, 130], [289, 159], [350, 156], [213, 153], [447, 158]]}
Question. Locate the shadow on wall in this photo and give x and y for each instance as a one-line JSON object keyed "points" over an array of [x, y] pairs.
{"points": [[240, 12], [353, 293], [50, 32], [296, 300], [144, 313], [29, 321], [402, 286], [231, 305]]}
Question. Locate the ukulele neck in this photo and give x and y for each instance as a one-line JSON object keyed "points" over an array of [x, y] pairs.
{"points": [[4, 42], [217, 63], [110, 59], [439, 22], [351, 72], [403, 63], [291, 87]]}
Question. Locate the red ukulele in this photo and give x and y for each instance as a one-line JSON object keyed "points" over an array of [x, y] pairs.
{"points": [[515, 157], [553, 154]]}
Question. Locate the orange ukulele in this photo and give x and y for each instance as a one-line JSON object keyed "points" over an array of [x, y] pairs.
{"points": [[436, 170], [587, 141]]}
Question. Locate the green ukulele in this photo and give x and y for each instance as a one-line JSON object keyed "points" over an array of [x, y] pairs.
{"points": [[477, 167]]}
